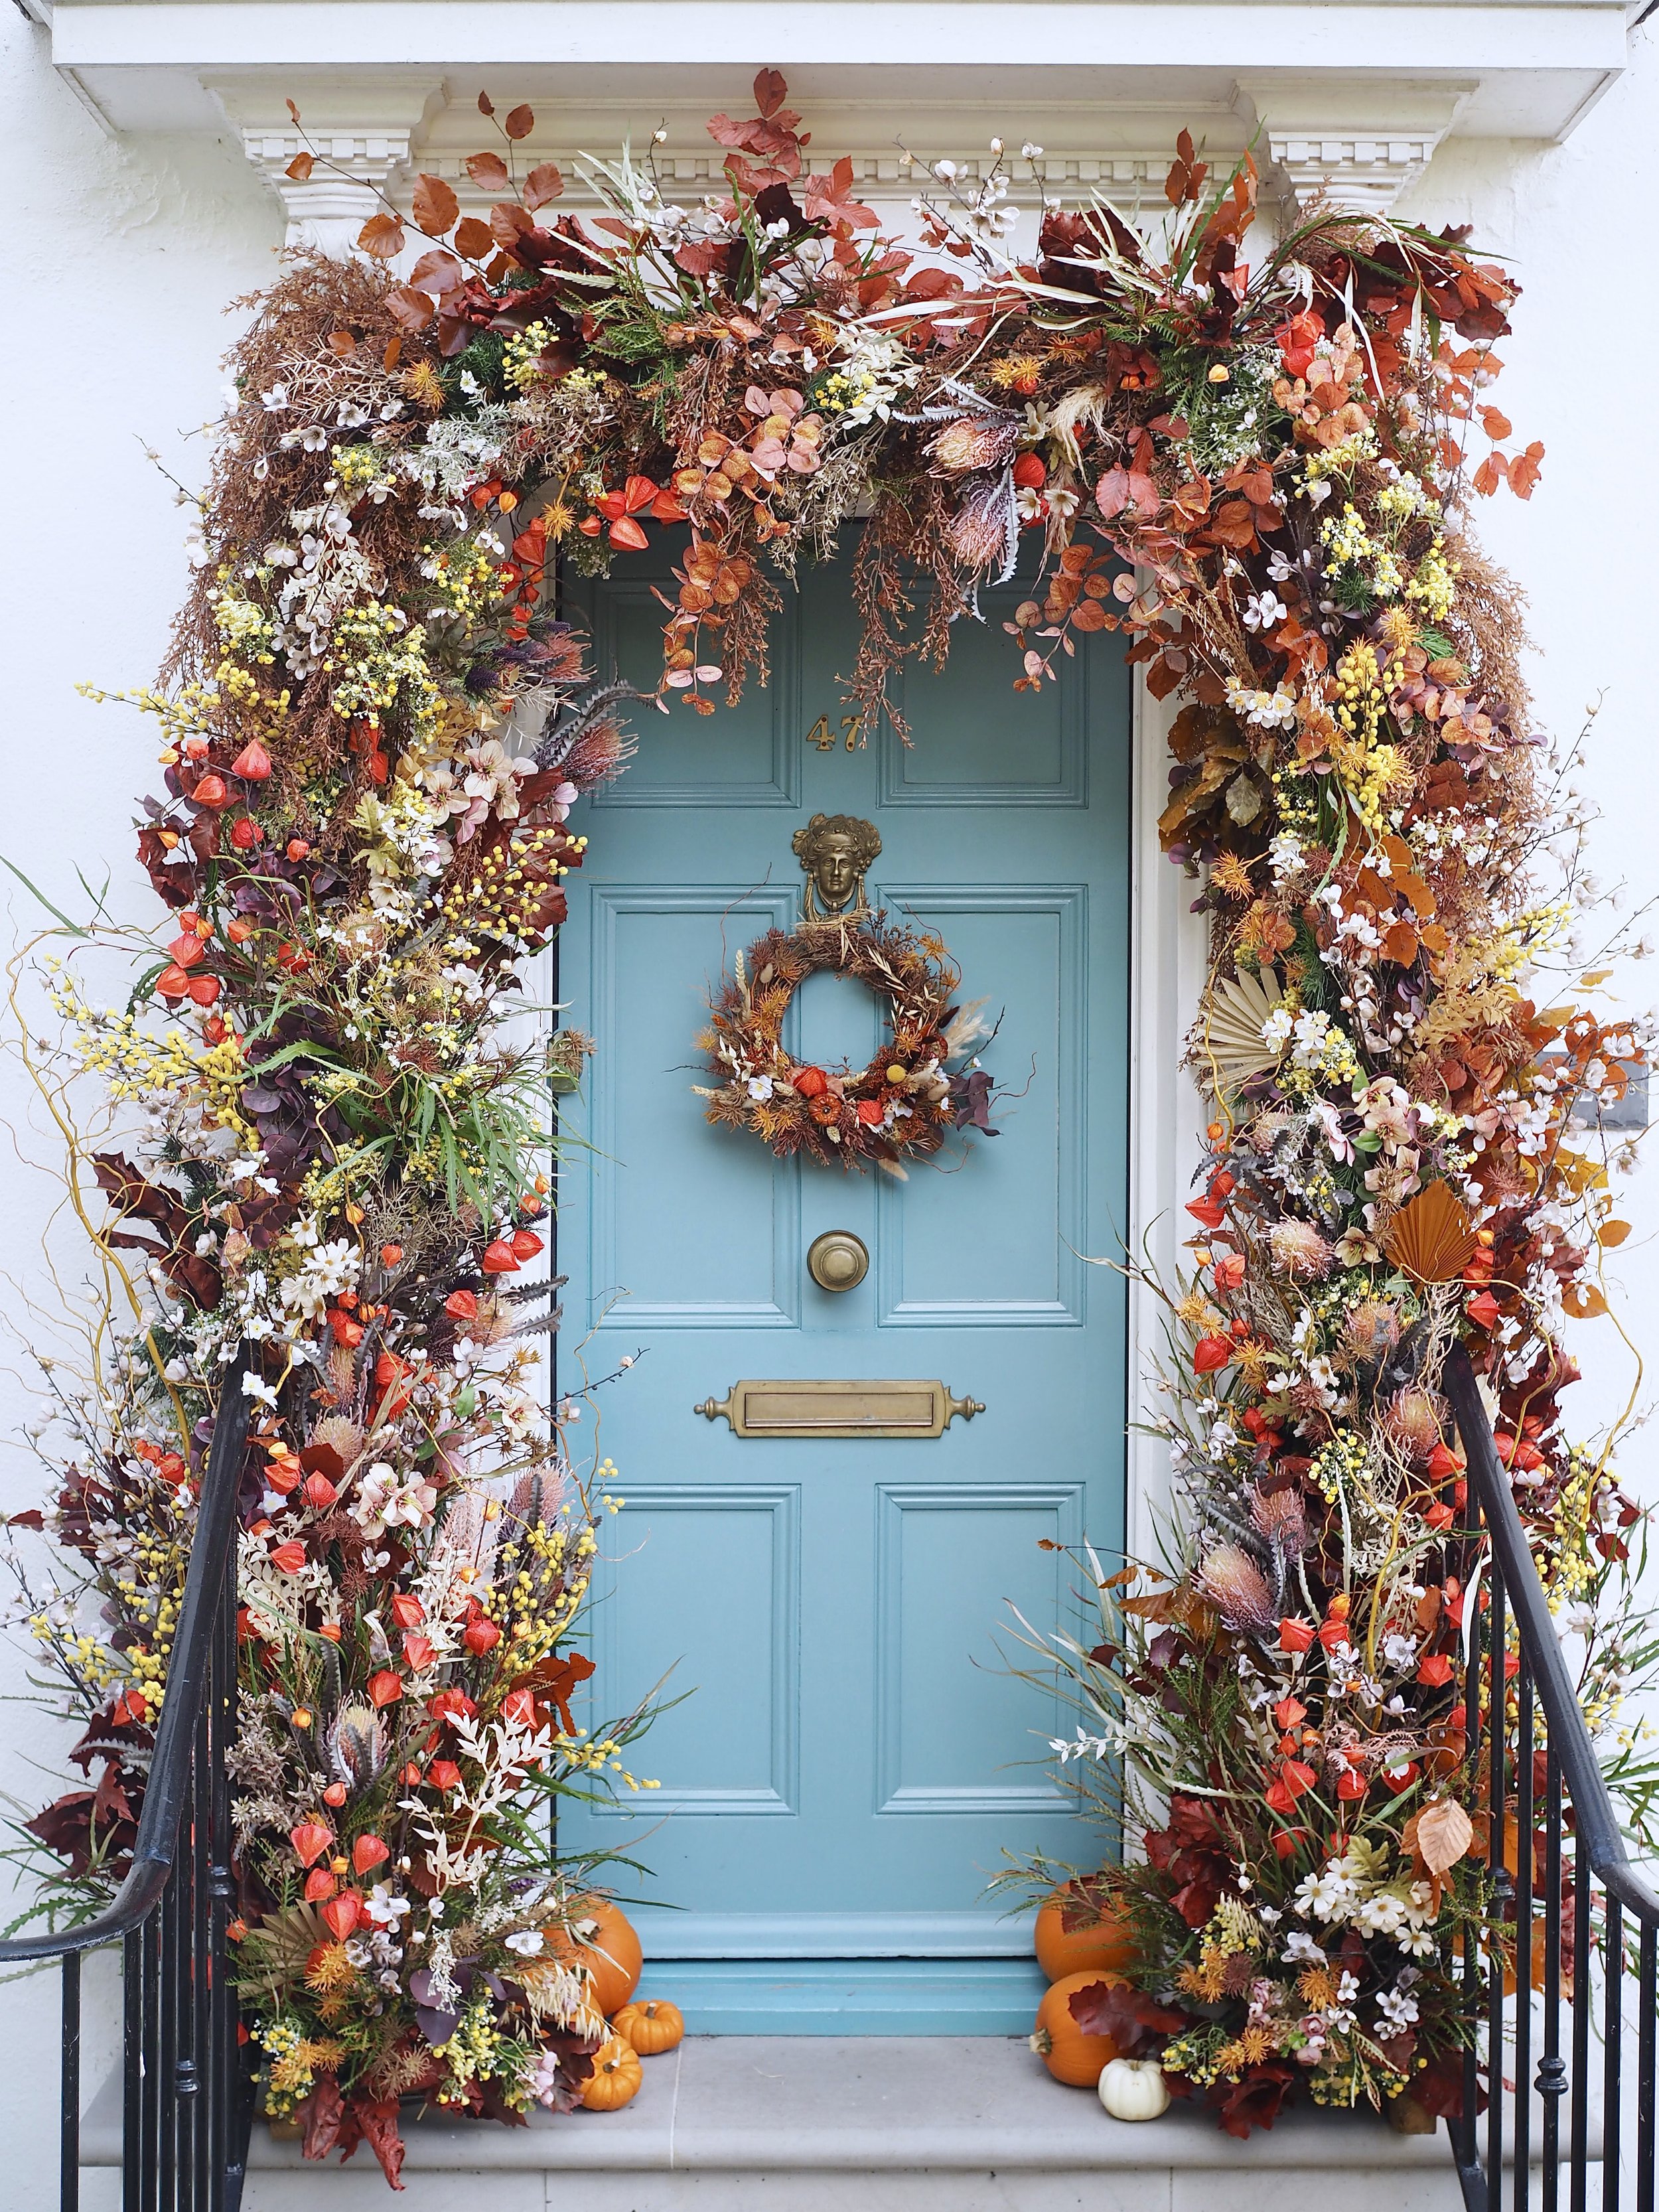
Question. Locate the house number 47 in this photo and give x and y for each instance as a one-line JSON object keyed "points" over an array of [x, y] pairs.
{"points": [[823, 736]]}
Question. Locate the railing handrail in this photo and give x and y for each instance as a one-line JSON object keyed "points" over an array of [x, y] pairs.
{"points": [[1600, 1837], [165, 1790]]}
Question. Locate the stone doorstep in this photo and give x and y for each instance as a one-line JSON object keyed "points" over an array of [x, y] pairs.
{"points": [[861, 2124]]}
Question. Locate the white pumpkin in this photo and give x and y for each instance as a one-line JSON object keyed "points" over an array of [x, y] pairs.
{"points": [[1133, 2090]]}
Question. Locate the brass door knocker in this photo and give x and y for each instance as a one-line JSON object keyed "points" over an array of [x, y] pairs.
{"points": [[836, 851]]}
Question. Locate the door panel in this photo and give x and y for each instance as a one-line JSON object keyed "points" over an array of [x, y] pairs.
{"points": [[853, 1757]]}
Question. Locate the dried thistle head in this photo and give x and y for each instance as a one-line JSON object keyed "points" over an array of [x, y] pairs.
{"points": [[1413, 1422], [1370, 1330], [1282, 1518], [1299, 1251], [1233, 1583]]}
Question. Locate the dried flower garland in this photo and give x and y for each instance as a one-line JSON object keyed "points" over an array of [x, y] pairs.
{"points": [[1258, 476], [899, 1107]]}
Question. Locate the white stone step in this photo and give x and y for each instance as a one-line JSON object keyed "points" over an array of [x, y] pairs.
{"points": [[854, 2123]]}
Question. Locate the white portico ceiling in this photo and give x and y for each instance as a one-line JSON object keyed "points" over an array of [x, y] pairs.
{"points": [[1356, 91]]}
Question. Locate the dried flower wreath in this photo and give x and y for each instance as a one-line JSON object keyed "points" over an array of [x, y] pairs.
{"points": [[897, 1109], [1258, 476]]}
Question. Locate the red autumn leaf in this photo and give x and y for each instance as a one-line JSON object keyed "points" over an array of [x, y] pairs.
{"points": [[438, 270], [488, 172], [770, 90], [543, 183], [509, 222], [520, 123], [1525, 468], [382, 237], [1399, 945], [1491, 473], [474, 239], [413, 309], [300, 167], [1496, 425], [1136, 2022], [434, 204]]}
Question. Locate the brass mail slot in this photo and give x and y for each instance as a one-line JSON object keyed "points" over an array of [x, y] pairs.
{"points": [[829, 1407]]}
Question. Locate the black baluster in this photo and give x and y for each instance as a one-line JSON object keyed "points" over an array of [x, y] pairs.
{"points": [[1647, 2059], [68, 2152], [1524, 1872], [1467, 2132], [1503, 1889], [149, 2141], [1583, 1957], [1612, 2024], [132, 2064], [1551, 2068]]}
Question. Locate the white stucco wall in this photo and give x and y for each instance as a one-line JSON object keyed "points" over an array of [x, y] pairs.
{"points": [[120, 258]]}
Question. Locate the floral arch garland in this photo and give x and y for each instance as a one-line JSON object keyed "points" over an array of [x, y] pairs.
{"points": [[374, 727]]}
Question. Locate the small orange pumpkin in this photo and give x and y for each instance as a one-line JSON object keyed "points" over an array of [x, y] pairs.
{"points": [[651, 2025], [1097, 1939], [616, 2077], [610, 1957], [1070, 2056]]}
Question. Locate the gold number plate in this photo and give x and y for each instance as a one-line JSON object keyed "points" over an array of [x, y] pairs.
{"points": [[832, 1408]]}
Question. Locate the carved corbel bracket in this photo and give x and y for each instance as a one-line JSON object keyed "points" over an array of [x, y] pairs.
{"points": [[365, 134], [1357, 142]]}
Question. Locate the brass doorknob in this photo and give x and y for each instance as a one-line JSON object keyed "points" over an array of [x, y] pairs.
{"points": [[838, 1260]]}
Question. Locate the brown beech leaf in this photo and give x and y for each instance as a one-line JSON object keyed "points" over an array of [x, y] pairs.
{"points": [[300, 167], [1612, 1232], [342, 343], [1491, 473], [390, 358], [413, 309], [438, 270], [474, 239], [294, 113], [507, 223], [1583, 1301], [1524, 469], [543, 183], [769, 91], [1496, 425], [434, 204], [488, 172], [1444, 1833], [486, 105], [382, 236], [520, 122]]}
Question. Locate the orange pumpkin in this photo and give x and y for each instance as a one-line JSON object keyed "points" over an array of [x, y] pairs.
{"points": [[651, 2025], [1100, 1939], [616, 2077], [610, 1955], [1070, 2056]]}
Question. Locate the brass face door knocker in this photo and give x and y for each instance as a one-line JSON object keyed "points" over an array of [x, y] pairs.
{"points": [[836, 851], [923, 1081]]}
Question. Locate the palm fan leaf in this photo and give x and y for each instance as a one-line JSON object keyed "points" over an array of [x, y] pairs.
{"points": [[1232, 1047], [1431, 1239]]}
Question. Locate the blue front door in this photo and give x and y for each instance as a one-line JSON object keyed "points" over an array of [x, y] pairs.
{"points": [[853, 1758]]}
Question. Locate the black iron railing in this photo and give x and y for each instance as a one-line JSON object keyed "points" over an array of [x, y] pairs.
{"points": [[185, 2106], [1555, 1987]]}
